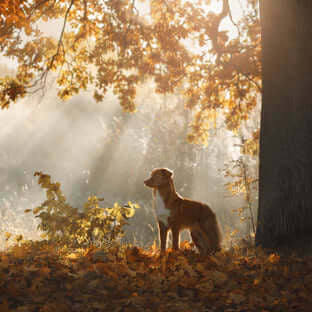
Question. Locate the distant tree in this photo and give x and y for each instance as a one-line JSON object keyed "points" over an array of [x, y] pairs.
{"points": [[285, 206]]}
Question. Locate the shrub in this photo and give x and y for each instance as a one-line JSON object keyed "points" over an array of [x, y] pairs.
{"points": [[66, 225]]}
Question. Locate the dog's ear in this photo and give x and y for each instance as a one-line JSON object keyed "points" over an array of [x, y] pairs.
{"points": [[168, 172]]}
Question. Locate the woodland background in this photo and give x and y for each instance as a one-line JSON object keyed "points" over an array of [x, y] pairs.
{"points": [[176, 84], [98, 148]]}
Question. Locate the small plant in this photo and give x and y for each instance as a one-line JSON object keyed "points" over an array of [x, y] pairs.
{"points": [[242, 183], [65, 225]]}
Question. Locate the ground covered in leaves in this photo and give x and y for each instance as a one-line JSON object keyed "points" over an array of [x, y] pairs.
{"points": [[37, 276]]}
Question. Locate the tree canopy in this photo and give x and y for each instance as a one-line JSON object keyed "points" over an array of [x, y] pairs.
{"points": [[182, 45]]}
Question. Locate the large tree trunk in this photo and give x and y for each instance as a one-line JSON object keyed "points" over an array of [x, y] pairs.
{"points": [[285, 199]]}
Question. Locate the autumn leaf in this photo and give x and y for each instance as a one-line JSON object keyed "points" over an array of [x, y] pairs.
{"points": [[273, 258], [106, 269], [4, 261], [45, 271], [236, 298], [4, 307]]}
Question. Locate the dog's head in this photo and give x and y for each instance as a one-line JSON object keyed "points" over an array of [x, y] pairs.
{"points": [[159, 177]]}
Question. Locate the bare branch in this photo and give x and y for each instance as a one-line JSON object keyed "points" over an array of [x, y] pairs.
{"points": [[60, 42], [233, 22], [252, 81], [43, 76], [215, 28]]}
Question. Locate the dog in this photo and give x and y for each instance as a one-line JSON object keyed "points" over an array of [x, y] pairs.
{"points": [[176, 213]]}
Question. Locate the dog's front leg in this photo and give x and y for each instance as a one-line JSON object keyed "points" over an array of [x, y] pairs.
{"points": [[163, 231]]}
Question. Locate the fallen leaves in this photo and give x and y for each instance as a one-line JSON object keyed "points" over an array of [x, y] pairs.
{"points": [[37, 276]]}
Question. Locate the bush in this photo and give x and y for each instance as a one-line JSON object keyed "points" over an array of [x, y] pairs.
{"points": [[65, 225]]}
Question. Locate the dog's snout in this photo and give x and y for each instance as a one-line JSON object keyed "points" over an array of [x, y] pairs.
{"points": [[149, 182], [146, 182]]}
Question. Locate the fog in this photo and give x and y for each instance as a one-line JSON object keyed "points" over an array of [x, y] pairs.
{"points": [[96, 148]]}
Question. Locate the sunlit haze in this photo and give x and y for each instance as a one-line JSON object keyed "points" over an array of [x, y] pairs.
{"points": [[96, 148]]}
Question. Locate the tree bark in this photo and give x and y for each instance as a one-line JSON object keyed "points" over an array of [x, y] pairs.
{"points": [[285, 189]]}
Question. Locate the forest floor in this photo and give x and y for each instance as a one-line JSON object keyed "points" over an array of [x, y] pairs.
{"points": [[36, 276]]}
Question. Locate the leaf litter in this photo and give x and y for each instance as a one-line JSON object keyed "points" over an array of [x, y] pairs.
{"points": [[40, 276]]}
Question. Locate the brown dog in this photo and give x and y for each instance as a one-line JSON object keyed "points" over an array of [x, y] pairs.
{"points": [[176, 213]]}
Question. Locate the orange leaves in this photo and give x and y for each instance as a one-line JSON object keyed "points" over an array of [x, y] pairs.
{"points": [[202, 122], [236, 298], [251, 146], [273, 258], [4, 261], [118, 44], [10, 91], [4, 307], [13, 11], [133, 279], [106, 269]]}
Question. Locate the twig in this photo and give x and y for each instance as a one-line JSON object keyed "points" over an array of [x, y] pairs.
{"points": [[234, 23], [253, 81], [244, 168], [60, 42], [215, 27], [43, 76]]}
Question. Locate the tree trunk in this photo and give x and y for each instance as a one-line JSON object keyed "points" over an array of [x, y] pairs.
{"points": [[285, 190]]}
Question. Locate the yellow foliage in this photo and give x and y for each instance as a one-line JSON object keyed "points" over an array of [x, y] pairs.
{"points": [[113, 44], [68, 226]]}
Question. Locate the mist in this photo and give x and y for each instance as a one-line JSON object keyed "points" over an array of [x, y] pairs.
{"points": [[97, 149]]}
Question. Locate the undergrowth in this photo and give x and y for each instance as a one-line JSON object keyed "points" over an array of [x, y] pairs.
{"points": [[67, 226]]}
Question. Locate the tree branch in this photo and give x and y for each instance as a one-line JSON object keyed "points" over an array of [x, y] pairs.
{"points": [[252, 81], [43, 76], [60, 42], [215, 27], [232, 20]]}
